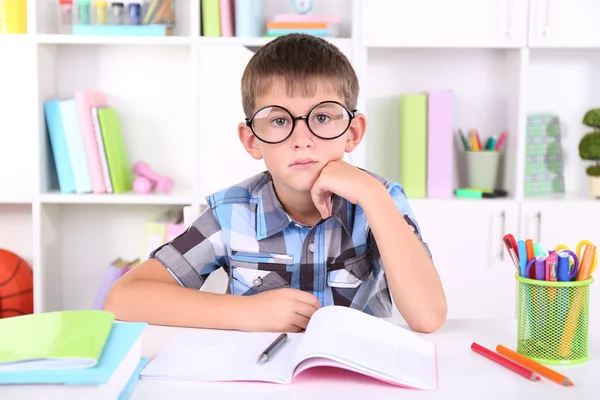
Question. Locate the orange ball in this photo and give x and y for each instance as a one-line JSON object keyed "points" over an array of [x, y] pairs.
{"points": [[16, 285]]}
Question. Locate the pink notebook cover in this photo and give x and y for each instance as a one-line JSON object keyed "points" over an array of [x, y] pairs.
{"points": [[439, 145], [227, 13], [85, 100]]}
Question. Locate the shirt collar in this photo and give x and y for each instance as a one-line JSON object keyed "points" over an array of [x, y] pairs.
{"points": [[271, 218]]}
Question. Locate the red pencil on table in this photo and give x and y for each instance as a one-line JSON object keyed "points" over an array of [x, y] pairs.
{"points": [[506, 362]]}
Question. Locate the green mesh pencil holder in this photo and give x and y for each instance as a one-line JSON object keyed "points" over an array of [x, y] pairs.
{"points": [[553, 320]]}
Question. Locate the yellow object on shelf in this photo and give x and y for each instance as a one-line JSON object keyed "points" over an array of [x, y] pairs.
{"points": [[13, 16]]}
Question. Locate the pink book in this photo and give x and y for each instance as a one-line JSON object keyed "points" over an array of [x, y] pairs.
{"points": [[337, 338], [227, 13], [85, 100], [440, 148]]}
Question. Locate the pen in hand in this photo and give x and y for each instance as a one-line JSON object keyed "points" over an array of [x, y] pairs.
{"points": [[273, 347]]}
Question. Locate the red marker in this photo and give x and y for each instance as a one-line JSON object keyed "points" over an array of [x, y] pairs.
{"points": [[505, 362]]}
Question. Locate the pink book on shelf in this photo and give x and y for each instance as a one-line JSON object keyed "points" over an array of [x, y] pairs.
{"points": [[227, 18], [440, 148], [85, 100]]}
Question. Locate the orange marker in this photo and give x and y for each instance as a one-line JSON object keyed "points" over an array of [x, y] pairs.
{"points": [[587, 260], [534, 366], [530, 255]]}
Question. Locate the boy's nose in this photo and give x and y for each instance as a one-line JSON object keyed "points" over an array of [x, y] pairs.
{"points": [[301, 136]]}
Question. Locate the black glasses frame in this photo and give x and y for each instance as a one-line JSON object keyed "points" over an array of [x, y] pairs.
{"points": [[352, 115]]}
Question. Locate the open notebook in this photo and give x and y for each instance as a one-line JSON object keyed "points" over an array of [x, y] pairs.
{"points": [[335, 337]]}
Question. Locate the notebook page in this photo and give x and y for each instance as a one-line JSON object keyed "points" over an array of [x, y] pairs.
{"points": [[374, 346], [212, 355]]}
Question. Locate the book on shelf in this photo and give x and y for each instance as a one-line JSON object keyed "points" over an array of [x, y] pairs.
{"points": [[426, 144], [245, 18], [338, 338], [318, 25], [87, 144], [81, 354], [162, 229]]}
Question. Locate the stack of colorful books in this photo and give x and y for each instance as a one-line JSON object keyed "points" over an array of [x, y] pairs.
{"points": [[318, 25], [81, 354], [87, 144]]}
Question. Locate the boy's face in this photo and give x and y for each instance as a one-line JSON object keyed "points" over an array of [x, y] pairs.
{"points": [[296, 163]]}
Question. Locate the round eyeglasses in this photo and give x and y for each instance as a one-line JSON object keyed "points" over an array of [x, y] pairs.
{"points": [[327, 120]]}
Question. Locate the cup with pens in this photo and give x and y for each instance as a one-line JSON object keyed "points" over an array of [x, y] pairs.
{"points": [[553, 299], [482, 160]]}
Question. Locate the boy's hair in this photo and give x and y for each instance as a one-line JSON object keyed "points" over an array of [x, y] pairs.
{"points": [[301, 61]]}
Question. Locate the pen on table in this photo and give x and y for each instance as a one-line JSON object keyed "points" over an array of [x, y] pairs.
{"points": [[534, 366], [505, 362], [273, 347]]}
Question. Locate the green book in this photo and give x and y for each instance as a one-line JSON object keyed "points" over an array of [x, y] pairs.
{"points": [[54, 340], [211, 18], [119, 168], [413, 144]]}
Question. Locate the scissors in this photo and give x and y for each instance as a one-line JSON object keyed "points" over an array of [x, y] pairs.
{"points": [[579, 253]]}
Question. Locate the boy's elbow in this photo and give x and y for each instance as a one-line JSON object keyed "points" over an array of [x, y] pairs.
{"points": [[430, 321], [112, 302]]}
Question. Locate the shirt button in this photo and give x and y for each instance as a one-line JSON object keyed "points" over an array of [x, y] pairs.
{"points": [[312, 247], [257, 281]]}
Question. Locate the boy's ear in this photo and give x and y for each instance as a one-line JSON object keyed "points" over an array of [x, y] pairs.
{"points": [[249, 141], [356, 132]]}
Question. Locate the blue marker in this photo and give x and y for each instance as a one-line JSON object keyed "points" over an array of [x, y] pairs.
{"points": [[522, 257], [563, 267]]}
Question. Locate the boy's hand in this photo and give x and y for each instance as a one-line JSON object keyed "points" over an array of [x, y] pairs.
{"points": [[280, 310], [343, 179]]}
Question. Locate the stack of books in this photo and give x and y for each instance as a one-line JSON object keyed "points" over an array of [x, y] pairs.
{"points": [[87, 144], [81, 354], [318, 25]]}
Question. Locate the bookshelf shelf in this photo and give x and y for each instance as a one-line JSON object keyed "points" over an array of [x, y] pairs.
{"points": [[16, 199], [179, 102], [124, 198], [112, 40]]}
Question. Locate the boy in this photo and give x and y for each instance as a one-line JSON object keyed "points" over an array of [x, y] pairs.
{"points": [[310, 231]]}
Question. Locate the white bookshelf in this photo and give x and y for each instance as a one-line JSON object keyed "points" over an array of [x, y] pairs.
{"points": [[179, 102]]}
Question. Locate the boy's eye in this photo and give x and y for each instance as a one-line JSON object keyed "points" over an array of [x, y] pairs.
{"points": [[322, 118], [279, 121]]}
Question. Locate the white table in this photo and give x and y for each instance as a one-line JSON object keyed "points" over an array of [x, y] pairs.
{"points": [[463, 374]]}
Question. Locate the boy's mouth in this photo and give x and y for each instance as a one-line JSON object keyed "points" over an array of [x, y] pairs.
{"points": [[303, 163]]}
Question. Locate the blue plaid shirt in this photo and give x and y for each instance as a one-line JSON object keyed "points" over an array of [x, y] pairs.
{"points": [[246, 231]]}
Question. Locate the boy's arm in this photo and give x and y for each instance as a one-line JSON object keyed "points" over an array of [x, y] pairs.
{"points": [[411, 275], [164, 290], [151, 294]]}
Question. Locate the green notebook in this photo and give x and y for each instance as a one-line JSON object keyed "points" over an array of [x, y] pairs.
{"points": [[53, 340], [413, 144], [119, 168]]}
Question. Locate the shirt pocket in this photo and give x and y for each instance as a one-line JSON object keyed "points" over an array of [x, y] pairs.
{"points": [[257, 272], [350, 273]]}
